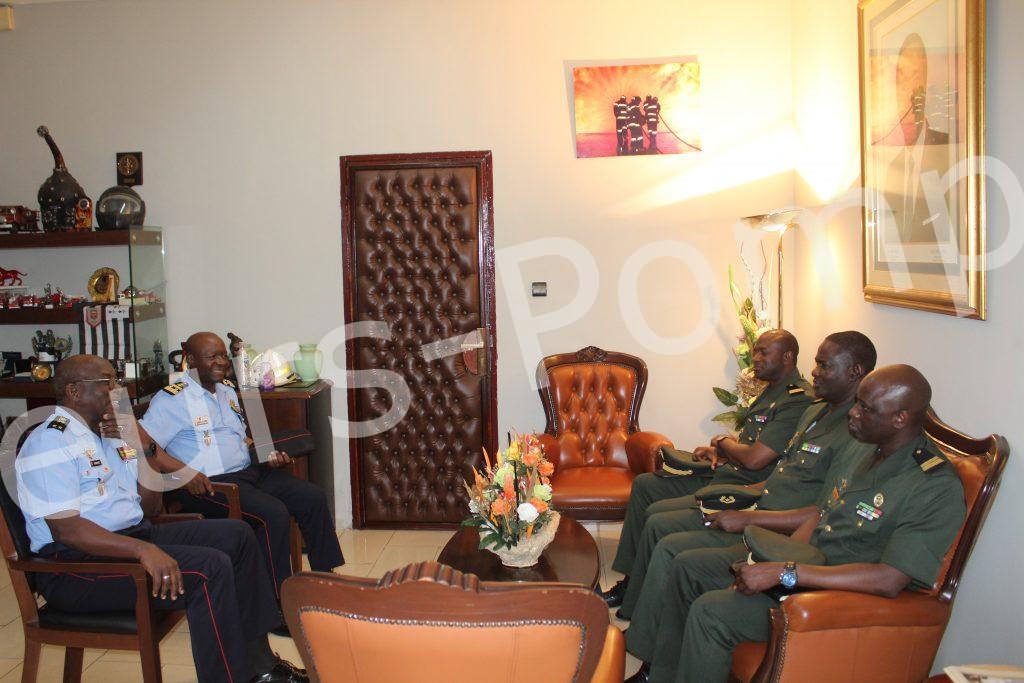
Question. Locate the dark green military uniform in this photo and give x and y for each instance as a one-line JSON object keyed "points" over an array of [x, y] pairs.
{"points": [[795, 482], [904, 512], [772, 420]]}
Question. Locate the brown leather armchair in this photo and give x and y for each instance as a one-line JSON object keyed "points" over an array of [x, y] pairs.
{"points": [[857, 637], [428, 622], [592, 405]]}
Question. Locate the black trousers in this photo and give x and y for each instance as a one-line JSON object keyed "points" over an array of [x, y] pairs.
{"points": [[228, 598], [270, 497]]}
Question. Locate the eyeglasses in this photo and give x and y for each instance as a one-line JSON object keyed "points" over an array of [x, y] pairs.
{"points": [[112, 382]]}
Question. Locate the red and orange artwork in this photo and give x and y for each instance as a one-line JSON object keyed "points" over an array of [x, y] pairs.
{"points": [[637, 109]]}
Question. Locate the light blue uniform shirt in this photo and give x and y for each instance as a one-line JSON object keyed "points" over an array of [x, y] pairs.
{"points": [[63, 466], [203, 430]]}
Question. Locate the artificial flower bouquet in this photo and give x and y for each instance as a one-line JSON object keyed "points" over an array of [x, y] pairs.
{"points": [[748, 387], [510, 500]]}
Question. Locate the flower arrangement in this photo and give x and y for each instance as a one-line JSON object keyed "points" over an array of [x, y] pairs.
{"points": [[747, 385], [510, 501]]}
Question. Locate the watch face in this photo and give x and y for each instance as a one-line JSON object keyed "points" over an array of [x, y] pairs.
{"points": [[41, 372], [788, 578]]}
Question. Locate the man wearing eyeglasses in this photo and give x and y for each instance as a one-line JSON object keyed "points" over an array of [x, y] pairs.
{"points": [[200, 423], [80, 489]]}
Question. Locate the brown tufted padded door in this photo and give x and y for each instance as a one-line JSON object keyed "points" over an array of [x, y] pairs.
{"points": [[418, 242]]}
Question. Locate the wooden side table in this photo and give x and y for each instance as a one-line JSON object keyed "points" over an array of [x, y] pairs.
{"points": [[306, 409]]}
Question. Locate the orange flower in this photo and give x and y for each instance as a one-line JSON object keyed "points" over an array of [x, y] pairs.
{"points": [[531, 458], [546, 469], [546, 481], [539, 504], [499, 506]]}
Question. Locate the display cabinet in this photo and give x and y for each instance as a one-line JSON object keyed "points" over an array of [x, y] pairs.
{"points": [[66, 260]]}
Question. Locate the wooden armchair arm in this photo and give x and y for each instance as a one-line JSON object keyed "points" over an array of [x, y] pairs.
{"points": [[170, 518], [230, 492], [824, 610], [95, 566], [643, 449]]}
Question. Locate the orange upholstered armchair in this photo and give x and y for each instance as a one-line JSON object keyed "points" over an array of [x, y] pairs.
{"points": [[857, 637], [428, 622], [592, 405]]}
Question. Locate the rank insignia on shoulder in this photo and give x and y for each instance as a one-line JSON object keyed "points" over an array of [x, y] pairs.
{"points": [[927, 460], [234, 406], [818, 400], [227, 382], [175, 388], [60, 423], [795, 390]]}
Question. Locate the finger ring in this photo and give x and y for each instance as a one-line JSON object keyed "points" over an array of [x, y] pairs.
{"points": [[167, 577]]}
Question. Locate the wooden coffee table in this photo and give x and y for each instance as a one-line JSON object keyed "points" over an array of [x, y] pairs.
{"points": [[572, 557]]}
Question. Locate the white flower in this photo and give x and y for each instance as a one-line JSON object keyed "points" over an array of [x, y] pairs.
{"points": [[474, 507], [527, 512]]}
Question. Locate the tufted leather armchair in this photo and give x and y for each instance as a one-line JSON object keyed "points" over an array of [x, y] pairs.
{"points": [[428, 622], [592, 404], [858, 637]]}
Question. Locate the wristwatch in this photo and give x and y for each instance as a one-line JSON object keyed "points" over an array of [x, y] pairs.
{"points": [[788, 576]]}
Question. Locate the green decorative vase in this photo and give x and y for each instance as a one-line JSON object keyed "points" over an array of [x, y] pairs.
{"points": [[308, 362]]}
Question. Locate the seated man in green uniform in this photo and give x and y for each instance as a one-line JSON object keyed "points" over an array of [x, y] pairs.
{"points": [[746, 459], [842, 361], [893, 511]]}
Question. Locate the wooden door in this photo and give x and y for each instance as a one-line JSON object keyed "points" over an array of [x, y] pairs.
{"points": [[418, 242]]}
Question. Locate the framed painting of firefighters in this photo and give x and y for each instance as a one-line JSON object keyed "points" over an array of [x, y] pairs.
{"points": [[629, 109], [922, 91]]}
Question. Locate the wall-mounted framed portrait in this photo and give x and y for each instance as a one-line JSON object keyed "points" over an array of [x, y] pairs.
{"points": [[922, 106]]}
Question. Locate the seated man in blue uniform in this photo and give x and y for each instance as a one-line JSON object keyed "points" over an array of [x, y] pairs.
{"points": [[200, 423], [82, 499]]}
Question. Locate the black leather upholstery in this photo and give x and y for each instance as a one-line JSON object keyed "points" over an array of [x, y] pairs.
{"points": [[103, 622]]}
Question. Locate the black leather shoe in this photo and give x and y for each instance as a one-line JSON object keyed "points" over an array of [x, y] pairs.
{"points": [[641, 676], [283, 672], [614, 595]]}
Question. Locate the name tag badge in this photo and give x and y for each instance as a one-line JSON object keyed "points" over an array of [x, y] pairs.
{"points": [[201, 421], [809, 447]]}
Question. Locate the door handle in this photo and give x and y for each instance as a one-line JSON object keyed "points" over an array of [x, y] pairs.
{"points": [[474, 351]]}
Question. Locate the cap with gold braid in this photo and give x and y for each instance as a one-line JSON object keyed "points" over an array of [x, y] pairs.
{"points": [[678, 463], [717, 497]]}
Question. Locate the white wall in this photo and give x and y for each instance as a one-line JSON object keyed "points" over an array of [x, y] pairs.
{"points": [[243, 108], [974, 367]]}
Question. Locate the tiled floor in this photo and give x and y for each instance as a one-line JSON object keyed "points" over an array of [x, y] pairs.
{"points": [[368, 553]]}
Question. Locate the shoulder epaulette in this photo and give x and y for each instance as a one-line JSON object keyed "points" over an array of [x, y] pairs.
{"points": [[927, 460], [60, 423], [228, 382], [175, 388], [795, 389]]}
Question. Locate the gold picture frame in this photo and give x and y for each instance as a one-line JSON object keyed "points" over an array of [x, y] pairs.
{"points": [[922, 112]]}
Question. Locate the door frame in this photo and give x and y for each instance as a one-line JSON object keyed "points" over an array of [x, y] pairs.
{"points": [[481, 161]]}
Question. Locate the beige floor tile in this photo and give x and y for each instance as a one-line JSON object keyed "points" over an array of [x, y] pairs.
{"points": [[5, 576], [610, 530], [285, 649], [12, 641], [9, 610], [354, 570], [51, 666], [108, 671], [178, 673], [415, 539], [9, 665], [395, 558], [363, 546]]}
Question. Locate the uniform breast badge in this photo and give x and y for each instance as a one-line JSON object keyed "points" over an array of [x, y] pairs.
{"points": [[879, 500], [811, 448], [201, 421], [868, 512], [126, 453], [207, 438]]}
